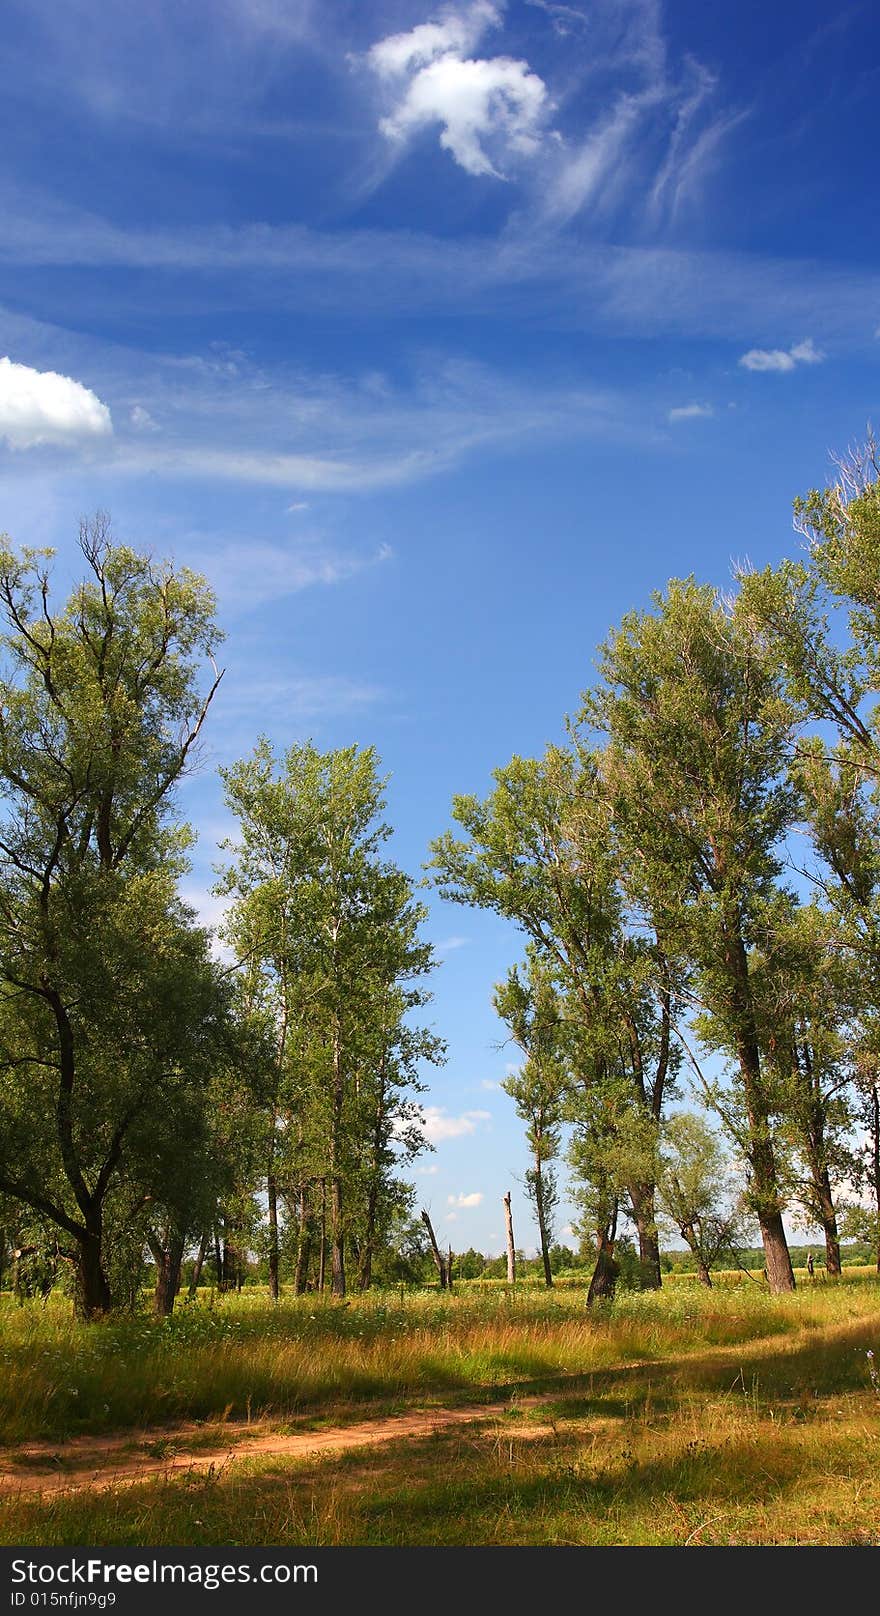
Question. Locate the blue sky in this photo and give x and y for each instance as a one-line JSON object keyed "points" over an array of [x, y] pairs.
{"points": [[437, 338]]}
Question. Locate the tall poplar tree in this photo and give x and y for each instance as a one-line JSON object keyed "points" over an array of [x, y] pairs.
{"points": [[332, 929], [107, 988], [697, 732]]}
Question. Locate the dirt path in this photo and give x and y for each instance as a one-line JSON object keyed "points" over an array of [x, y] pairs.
{"points": [[114, 1461]]}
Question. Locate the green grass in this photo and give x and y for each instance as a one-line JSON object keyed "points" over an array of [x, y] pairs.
{"points": [[717, 1417], [243, 1359]]}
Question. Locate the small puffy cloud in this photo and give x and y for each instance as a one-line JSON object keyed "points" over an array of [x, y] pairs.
{"points": [[141, 419], [450, 944], [690, 412], [438, 1125], [783, 359], [41, 406], [474, 100], [427, 1172], [476, 1199]]}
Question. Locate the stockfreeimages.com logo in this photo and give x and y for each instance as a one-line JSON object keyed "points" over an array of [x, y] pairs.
{"points": [[106, 1575]]}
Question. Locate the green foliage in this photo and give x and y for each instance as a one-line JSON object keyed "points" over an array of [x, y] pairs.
{"points": [[327, 935], [110, 1003]]}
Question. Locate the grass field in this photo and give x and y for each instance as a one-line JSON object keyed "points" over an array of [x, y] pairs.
{"points": [[688, 1416]]}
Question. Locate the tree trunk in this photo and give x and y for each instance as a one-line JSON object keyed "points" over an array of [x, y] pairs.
{"points": [[272, 1193], [542, 1224], [817, 1155], [337, 1259], [642, 1198], [322, 1260], [92, 1295], [337, 1251], [829, 1224], [780, 1274], [689, 1233], [365, 1275], [511, 1250], [303, 1243], [759, 1150], [607, 1269], [874, 1127], [218, 1261], [438, 1255], [168, 1257], [197, 1268], [449, 1269]]}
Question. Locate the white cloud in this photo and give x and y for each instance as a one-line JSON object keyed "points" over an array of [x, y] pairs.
{"points": [[645, 289], [598, 161], [690, 412], [245, 576], [459, 32], [296, 699], [782, 359], [141, 419], [474, 100], [40, 406], [476, 1199], [450, 944], [451, 1217], [488, 1083], [438, 1125], [318, 472], [427, 1172], [210, 911]]}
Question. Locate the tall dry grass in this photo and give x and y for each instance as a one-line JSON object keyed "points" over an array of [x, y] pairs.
{"points": [[242, 1358], [707, 1436]]}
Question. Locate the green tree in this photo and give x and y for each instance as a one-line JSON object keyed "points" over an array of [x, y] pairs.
{"points": [[105, 980], [697, 1193], [542, 850], [698, 732], [832, 677], [529, 1004], [332, 930]]}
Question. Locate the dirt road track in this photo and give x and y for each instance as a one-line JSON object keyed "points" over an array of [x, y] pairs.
{"points": [[98, 1462]]}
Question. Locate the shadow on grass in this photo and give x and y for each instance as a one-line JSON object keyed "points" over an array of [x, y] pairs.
{"points": [[666, 1460]]}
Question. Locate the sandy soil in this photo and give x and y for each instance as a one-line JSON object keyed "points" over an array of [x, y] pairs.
{"points": [[114, 1461]]}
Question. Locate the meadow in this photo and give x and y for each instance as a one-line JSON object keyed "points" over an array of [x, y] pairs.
{"points": [[686, 1416]]}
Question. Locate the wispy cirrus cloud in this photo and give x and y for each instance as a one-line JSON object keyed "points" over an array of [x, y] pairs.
{"points": [[617, 290], [140, 66], [247, 574], [639, 129], [219, 418], [299, 698]]}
